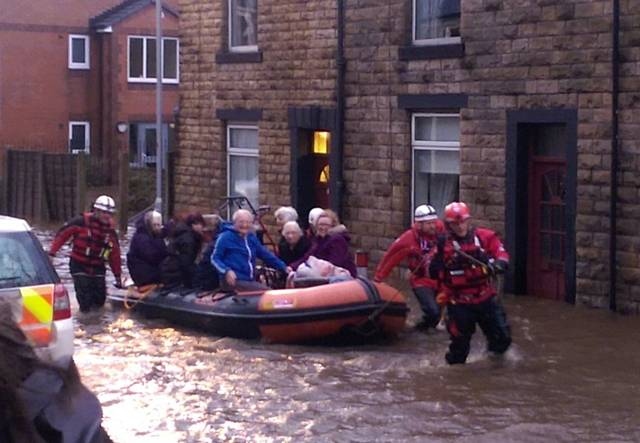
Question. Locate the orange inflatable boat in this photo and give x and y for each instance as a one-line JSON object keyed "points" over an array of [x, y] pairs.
{"points": [[346, 312]]}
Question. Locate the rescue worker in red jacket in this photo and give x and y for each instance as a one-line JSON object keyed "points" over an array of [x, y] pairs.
{"points": [[466, 260], [417, 245], [94, 241]]}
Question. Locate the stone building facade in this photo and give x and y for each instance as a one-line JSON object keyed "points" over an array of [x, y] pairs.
{"points": [[516, 100]]}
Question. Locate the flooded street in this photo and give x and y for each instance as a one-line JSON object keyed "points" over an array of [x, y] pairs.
{"points": [[571, 375]]}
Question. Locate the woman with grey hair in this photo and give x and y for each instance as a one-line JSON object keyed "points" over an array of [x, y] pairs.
{"points": [[147, 250], [285, 214], [294, 244]]}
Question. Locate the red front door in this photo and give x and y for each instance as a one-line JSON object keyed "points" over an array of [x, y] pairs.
{"points": [[545, 264]]}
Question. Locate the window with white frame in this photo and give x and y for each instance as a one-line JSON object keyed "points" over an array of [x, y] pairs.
{"points": [[242, 162], [436, 159], [78, 51], [243, 25], [436, 22], [79, 137], [142, 59]]}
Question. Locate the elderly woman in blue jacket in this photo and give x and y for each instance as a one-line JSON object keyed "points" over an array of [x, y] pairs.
{"points": [[235, 253]]}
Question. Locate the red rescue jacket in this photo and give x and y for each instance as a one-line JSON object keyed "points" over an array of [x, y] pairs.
{"points": [[93, 243], [463, 280], [417, 248]]}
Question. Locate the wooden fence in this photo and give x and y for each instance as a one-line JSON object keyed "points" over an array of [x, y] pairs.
{"points": [[44, 187]]}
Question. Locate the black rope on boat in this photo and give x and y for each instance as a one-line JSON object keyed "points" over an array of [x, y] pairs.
{"points": [[370, 326]]}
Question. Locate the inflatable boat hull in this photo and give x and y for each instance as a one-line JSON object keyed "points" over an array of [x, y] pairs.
{"points": [[352, 311]]}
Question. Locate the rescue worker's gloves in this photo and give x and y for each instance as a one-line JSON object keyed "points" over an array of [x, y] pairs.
{"points": [[500, 266], [436, 266], [442, 298], [437, 262]]}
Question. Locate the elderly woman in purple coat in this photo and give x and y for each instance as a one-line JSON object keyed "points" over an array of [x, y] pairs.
{"points": [[331, 243]]}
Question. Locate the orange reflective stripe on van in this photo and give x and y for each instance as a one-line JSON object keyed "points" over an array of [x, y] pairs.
{"points": [[37, 313]]}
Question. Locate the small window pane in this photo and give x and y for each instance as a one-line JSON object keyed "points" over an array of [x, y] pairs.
{"points": [[557, 220], [556, 248], [545, 246], [436, 19], [545, 217], [436, 177], [150, 142], [437, 128], [151, 58], [78, 53], [245, 138], [244, 27], [78, 137], [550, 140], [135, 58], [243, 177], [170, 60]]}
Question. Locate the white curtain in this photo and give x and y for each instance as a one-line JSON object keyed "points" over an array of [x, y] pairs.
{"points": [[243, 177], [244, 26], [436, 176], [436, 18], [243, 163]]}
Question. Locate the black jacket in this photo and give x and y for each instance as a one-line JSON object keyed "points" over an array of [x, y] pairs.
{"points": [[184, 246], [59, 413], [288, 254], [146, 252]]}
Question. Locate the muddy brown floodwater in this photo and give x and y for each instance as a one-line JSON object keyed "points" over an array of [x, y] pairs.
{"points": [[572, 375]]}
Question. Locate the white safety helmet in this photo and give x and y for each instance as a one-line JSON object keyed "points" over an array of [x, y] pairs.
{"points": [[425, 213], [105, 203]]}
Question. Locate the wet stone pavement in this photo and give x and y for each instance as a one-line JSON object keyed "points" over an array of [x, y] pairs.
{"points": [[572, 375]]}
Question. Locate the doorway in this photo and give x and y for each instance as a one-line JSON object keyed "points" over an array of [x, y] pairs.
{"points": [[313, 170], [311, 136], [546, 208], [541, 203]]}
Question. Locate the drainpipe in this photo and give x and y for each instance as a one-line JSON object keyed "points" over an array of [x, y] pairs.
{"points": [[615, 74], [335, 160]]}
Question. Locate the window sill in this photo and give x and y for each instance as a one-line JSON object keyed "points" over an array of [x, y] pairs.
{"points": [[151, 86], [223, 58], [151, 81], [430, 52]]}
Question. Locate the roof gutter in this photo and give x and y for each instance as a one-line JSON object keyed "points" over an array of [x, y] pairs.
{"points": [[615, 89]]}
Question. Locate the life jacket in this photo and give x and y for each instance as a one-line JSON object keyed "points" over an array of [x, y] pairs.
{"points": [[462, 275], [92, 243]]}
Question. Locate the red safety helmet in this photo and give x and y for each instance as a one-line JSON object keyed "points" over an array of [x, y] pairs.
{"points": [[456, 212]]}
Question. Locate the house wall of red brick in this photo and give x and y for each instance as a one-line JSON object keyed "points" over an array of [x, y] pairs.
{"points": [[39, 94]]}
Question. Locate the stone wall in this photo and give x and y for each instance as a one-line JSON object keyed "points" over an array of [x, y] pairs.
{"points": [[298, 41], [629, 176], [518, 55], [542, 55]]}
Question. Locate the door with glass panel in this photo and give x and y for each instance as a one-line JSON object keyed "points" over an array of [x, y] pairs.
{"points": [[547, 227]]}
